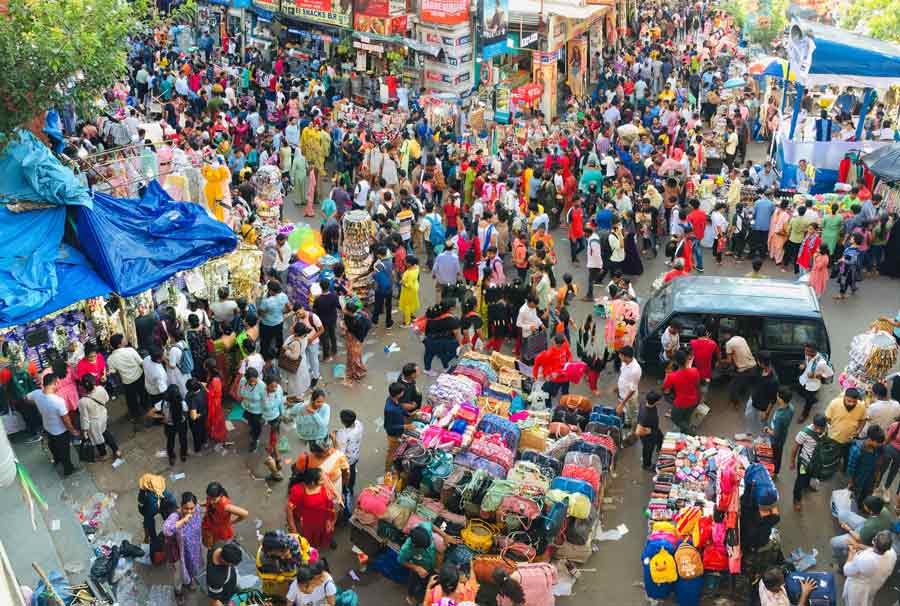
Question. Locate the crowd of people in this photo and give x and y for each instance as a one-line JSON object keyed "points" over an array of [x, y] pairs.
{"points": [[617, 175]]}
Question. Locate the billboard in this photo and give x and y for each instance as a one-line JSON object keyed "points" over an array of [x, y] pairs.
{"points": [[445, 12], [493, 24], [336, 13]]}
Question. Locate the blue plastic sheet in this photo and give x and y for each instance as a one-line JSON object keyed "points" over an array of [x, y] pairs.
{"points": [[139, 244], [28, 171]]}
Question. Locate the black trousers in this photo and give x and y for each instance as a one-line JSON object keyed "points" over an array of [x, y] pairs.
{"points": [[759, 242], [801, 484], [595, 276], [809, 399], [254, 420], [60, 448], [31, 416], [382, 303], [108, 440], [329, 341], [271, 339], [650, 444], [790, 255], [198, 430], [777, 452], [181, 431], [136, 398]]}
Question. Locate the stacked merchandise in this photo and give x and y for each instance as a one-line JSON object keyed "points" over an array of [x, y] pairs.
{"points": [[269, 195], [302, 282], [872, 355], [704, 487], [453, 71], [486, 470], [359, 230]]}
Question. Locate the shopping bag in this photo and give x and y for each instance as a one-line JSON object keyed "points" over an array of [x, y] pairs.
{"points": [[841, 502]]}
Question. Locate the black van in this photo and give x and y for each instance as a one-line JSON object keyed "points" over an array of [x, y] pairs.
{"points": [[774, 315]]}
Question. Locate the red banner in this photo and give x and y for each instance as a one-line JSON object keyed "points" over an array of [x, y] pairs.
{"points": [[384, 26], [446, 12], [372, 8]]}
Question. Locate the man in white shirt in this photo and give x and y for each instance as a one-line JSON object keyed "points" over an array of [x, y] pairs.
{"points": [[814, 370], [348, 440], [596, 272], [223, 310], [627, 386], [609, 163], [126, 362], [670, 341], [173, 362], [883, 411], [283, 254], [156, 381], [292, 133], [56, 421], [528, 319], [867, 570], [361, 194]]}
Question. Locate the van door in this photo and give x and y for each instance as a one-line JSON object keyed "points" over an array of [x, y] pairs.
{"points": [[654, 319], [785, 338]]}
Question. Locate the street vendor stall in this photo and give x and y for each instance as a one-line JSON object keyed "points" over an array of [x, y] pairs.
{"points": [[517, 486]]}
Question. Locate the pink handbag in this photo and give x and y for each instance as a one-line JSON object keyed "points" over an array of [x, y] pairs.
{"points": [[374, 500], [491, 447]]}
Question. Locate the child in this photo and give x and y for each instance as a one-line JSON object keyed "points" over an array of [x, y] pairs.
{"points": [[471, 324], [566, 293], [804, 446], [348, 439], [409, 290], [864, 464], [848, 266], [779, 423]]}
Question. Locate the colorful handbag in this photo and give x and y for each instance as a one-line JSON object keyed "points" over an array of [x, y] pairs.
{"points": [[517, 547], [374, 500], [517, 512], [478, 535], [483, 566]]}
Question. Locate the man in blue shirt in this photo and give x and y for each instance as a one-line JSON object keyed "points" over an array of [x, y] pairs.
{"points": [[762, 216], [396, 419], [604, 218], [272, 308]]}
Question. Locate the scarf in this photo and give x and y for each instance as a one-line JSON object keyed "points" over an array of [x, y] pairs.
{"points": [[153, 483]]}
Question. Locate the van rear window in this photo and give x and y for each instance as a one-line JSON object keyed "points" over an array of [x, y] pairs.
{"points": [[791, 333], [658, 308]]}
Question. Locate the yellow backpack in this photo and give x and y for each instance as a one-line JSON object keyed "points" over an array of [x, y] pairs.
{"points": [[662, 567]]}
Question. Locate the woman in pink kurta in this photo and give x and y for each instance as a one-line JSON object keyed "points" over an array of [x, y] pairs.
{"points": [[818, 276], [66, 385], [778, 233]]}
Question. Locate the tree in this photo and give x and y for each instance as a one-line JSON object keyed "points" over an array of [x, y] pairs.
{"points": [[877, 18], [54, 52]]}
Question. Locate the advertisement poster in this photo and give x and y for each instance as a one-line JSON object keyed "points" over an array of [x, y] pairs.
{"points": [[577, 63], [445, 12], [268, 5], [545, 75], [493, 26], [336, 13], [502, 105], [383, 26]]}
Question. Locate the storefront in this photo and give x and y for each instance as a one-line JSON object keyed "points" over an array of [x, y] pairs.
{"points": [[212, 20], [259, 28], [315, 31]]}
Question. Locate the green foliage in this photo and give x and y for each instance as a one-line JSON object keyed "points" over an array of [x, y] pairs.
{"points": [[736, 10], [878, 18], [54, 52]]}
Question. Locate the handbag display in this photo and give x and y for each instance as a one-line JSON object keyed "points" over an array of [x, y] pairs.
{"points": [[483, 566], [478, 535]]}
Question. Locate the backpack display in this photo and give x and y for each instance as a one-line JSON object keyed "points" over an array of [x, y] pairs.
{"points": [[548, 465], [662, 567], [510, 432], [538, 580], [573, 485], [688, 561]]}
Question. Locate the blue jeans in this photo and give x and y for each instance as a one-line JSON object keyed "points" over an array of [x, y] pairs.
{"points": [[697, 252], [839, 544]]}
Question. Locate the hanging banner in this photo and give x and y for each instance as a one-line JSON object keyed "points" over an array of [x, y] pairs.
{"points": [[336, 13], [445, 12], [493, 21], [270, 6], [383, 26]]}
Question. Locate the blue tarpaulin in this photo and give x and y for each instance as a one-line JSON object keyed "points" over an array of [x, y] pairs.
{"points": [[123, 246], [139, 244], [842, 58]]}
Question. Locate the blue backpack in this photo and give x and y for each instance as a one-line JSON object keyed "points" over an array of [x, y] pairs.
{"points": [[186, 362], [437, 236]]}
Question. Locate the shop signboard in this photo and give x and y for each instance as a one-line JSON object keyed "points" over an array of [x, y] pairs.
{"points": [[444, 12], [336, 13], [493, 24], [270, 6]]}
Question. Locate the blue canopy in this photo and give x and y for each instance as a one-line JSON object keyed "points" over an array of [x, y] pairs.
{"points": [[123, 246], [846, 59], [139, 244]]}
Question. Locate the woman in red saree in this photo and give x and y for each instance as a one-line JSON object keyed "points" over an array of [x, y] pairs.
{"points": [[310, 508], [215, 418]]}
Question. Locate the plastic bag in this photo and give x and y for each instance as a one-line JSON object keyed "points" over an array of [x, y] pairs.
{"points": [[841, 502]]}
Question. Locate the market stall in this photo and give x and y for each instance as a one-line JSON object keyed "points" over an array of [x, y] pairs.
{"points": [[517, 486], [711, 516]]}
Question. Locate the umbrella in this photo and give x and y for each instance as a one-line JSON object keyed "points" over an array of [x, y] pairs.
{"points": [[735, 83], [777, 69], [757, 68], [884, 162]]}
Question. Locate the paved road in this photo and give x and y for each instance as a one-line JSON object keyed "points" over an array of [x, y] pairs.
{"points": [[614, 570]]}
